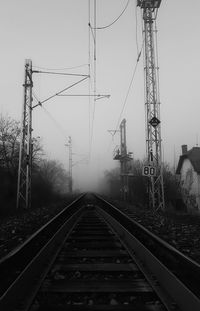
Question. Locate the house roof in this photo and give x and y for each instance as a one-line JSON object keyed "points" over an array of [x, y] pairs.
{"points": [[194, 156]]}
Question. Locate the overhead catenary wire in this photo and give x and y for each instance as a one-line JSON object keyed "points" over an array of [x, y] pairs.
{"points": [[136, 28], [91, 29], [94, 78], [89, 73], [129, 87], [134, 71], [97, 96], [39, 103], [127, 93], [60, 73], [59, 127], [61, 69], [115, 20], [157, 66]]}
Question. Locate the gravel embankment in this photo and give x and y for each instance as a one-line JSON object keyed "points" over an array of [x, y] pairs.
{"points": [[180, 230], [15, 230]]}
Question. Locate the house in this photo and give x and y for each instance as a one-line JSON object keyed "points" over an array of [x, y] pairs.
{"points": [[189, 171]]}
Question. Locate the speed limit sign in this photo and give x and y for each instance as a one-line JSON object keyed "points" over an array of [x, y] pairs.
{"points": [[149, 171]]}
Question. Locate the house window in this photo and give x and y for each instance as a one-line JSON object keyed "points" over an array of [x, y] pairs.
{"points": [[189, 179]]}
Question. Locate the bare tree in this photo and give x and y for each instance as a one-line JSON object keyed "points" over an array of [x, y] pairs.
{"points": [[37, 151], [53, 173], [112, 178], [9, 143]]}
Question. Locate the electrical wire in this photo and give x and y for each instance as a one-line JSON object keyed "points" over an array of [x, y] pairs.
{"points": [[59, 127], [94, 80], [35, 96], [91, 28], [115, 20], [57, 94], [97, 96], [157, 67], [93, 31], [91, 68], [144, 80], [127, 94], [62, 73], [67, 68], [51, 117], [129, 88], [136, 29], [89, 73]]}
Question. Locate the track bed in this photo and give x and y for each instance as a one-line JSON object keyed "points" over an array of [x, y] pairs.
{"points": [[93, 271]]}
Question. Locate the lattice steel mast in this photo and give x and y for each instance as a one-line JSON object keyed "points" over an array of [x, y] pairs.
{"points": [[152, 104], [25, 153]]}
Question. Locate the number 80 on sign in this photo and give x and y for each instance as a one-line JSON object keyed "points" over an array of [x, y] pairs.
{"points": [[149, 171]]}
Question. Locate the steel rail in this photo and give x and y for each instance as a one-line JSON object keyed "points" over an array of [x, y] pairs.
{"points": [[190, 263], [181, 293], [172, 291], [23, 289], [12, 265], [80, 286], [61, 215]]}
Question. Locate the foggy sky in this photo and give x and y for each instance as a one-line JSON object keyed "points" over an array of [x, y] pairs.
{"points": [[54, 34]]}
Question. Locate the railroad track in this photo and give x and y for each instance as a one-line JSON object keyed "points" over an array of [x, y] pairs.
{"points": [[94, 262], [94, 269]]}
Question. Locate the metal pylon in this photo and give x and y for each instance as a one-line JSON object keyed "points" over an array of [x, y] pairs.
{"points": [[152, 105], [25, 152]]}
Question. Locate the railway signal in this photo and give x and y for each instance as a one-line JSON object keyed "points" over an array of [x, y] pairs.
{"points": [[152, 105], [124, 158]]}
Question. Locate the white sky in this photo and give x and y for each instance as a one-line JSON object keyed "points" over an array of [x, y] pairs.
{"points": [[54, 34]]}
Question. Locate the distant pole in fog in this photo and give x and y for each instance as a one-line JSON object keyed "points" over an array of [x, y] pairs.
{"points": [[70, 164]]}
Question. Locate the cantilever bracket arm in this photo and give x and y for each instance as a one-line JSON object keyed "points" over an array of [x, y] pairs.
{"points": [[98, 96], [57, 94], [61, 73], [102, 96], [38, 104]]}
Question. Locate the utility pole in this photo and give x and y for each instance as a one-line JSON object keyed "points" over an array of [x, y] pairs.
{"points": [[152, 106], [70, 164], [26, 144], [123, 157], [25, 153]]}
